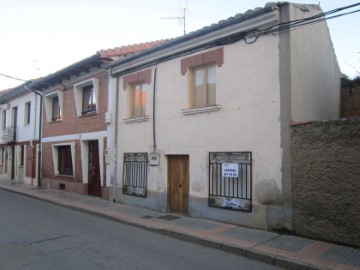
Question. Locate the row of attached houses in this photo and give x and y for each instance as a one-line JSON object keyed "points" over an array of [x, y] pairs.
{"points": [[198, 125]]}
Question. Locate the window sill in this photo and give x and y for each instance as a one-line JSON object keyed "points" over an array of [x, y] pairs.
{"points": [[56, 120], [207, 109], [84, 114], [64, 175], [136, 119]]}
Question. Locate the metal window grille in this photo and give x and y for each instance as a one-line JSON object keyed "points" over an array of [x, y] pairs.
{"points": [[230, 179], [9, 134], [135, 174]]}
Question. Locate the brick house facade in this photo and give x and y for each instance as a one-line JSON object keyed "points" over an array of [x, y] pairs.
{"points": [[74, 129]]}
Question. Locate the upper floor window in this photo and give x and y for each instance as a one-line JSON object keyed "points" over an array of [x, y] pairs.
{"points": [[53, 106], [86, 97], [14, 116], [27, 115], [138, 100], [89, 100], [201, 72], [137, 85], [56, 110], [203, 87], [3, 119]]}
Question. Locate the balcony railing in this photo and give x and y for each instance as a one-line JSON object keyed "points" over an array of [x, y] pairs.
{"points": [[9, 134]]}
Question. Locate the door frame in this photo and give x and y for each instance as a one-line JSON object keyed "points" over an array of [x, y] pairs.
{"points": [[184, 185], [97, 161], [13, 165]]}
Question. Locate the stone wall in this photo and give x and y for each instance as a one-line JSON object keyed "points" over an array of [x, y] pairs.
{"points": [[350, 98], [326, 180]]}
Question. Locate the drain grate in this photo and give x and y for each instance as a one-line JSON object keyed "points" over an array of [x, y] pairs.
{"points": [[147, 217], [169, 217]]}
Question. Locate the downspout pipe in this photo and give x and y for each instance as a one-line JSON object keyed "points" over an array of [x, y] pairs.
{"points": [[40, 133], [154, 111]]}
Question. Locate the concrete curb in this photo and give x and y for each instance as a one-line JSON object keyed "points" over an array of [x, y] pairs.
{"points": [[249, 253]]}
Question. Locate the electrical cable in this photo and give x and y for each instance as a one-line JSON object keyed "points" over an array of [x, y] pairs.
{"points": [[4, 75], [284, 26]]}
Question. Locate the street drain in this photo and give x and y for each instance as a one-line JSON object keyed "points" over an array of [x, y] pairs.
{"points": [[147, 217], [169, 217]]}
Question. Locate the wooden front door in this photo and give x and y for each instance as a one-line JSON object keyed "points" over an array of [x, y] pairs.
{"points": [[178, 183], [94, 169]]}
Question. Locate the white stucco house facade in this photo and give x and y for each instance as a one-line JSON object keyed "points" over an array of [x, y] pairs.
{"points": [[201, 124], [19, 135]]}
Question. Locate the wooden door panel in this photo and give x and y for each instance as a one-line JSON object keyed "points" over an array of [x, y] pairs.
{"points": [[178, 183], [94, 169]]}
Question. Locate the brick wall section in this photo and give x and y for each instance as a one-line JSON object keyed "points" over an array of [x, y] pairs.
{"points": [[350, 98], [326, 180], [71, 123]]}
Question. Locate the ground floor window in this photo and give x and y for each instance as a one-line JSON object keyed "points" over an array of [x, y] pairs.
{"points": [[135, 174], [64, 158], [2, 155], [230, 180]]}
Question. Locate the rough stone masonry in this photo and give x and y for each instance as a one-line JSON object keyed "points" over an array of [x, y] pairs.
{"points": [[326, 180]]}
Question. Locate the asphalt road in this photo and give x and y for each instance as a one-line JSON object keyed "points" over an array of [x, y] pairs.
{"points": [[39, 235]]}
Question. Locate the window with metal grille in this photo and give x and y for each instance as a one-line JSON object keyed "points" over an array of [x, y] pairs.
{"points": [[135, 174], [230, 179], [65, 165]]}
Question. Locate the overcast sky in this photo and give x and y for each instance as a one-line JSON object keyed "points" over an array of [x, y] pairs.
{"points": [[39, 37]]}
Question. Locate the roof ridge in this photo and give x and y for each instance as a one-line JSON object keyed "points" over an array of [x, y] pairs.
{"points": [[130, 48]]}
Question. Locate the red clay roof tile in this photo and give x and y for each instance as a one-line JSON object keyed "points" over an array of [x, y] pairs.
{"points": [[129, 49]]}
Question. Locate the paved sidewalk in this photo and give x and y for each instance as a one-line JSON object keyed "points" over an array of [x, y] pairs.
{"points": [[290, 252]]}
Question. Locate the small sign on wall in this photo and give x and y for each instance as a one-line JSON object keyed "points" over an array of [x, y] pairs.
{"points": [[230, 170]]}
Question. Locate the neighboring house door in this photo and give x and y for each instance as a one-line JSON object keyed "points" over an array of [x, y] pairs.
{"points": [[12, 162], [178, 183], [14, 136], [94, 169]]}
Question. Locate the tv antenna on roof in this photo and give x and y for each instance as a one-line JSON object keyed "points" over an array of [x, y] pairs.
{"points": [[182, 17]]}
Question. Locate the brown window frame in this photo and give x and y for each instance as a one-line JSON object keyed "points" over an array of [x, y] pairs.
{"points": [[65, 166], [142, 103], [55, 115], [205, 89], [90, 106], [201, 61], [129, 83]]}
